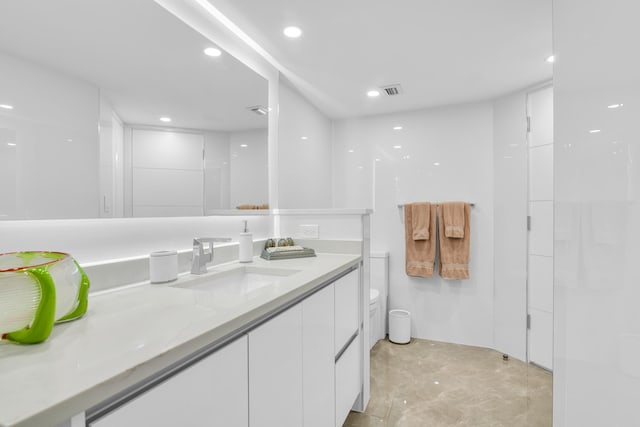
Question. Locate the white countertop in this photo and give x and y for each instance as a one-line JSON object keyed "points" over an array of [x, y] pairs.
{"points": [[132, 333]]}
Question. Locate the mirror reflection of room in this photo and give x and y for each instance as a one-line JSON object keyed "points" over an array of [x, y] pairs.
{"points": [[109, 121]]}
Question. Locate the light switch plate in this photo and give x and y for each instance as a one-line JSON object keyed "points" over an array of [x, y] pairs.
{"points": [[309, 231]]}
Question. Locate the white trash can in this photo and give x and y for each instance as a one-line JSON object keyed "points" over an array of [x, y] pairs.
{"points": [[399, 326]]}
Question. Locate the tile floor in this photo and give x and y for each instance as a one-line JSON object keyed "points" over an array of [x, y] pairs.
{"points": [[432, 384]]}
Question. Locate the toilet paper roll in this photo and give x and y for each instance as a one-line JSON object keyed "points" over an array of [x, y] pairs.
{"points": [[163, 266]]}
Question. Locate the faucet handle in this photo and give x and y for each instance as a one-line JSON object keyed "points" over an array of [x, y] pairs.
{"points": [[202, 256]]}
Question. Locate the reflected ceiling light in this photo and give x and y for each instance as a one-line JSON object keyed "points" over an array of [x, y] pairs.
{"points": [[11, 144], [551, 59], [165, 119], [397, 128], [373, 93], [377, 159], [6, 106], [360, 167], [292, 32], [69, 140], [350, 151], [212, 51], [243, 145], [594, 131], [612, 106], [436, 164], [407, 157], [397, 147], [304, 138]]}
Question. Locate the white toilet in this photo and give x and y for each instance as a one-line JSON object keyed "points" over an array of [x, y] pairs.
{"points": [[379, 262], [374, 317]]}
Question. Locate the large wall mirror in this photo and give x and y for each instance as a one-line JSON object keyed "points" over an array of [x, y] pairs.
{"points": [[111, 108]]}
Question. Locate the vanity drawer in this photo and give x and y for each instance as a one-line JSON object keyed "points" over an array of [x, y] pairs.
{"points": [[348, 381], [347, 310]]}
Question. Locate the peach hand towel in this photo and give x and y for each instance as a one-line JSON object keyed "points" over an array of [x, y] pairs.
{"points": [[454, 252], [454, 219], [420, 255], [420, 218]]}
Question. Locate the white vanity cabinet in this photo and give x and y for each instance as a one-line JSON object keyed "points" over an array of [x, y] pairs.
{"points": [[318, 358], [213, 392], [275, 371], [300, 368]]}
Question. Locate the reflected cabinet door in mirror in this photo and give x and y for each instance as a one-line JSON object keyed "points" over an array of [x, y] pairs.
{"points": [[78, 80]]}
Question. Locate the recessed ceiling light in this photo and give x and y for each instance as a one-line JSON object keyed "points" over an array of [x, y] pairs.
{"points": [[407, 157], [612, 106], [260, 110], [11, 144], [243, 145], [69, 140], [360, 167], [350, 151], [212, 51], [436, 164], [397, 128], [292, 32], [551, 59], [594, 131], [6, 107], [377, 159], [373, 93], [304, 138], [397, 147], [165, 119]]}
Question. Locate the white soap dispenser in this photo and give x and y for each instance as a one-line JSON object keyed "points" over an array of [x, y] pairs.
{"points": [[246, 245]]}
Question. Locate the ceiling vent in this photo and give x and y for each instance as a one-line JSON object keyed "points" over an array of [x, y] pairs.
{"points": [[392, 90], [260, 110]]}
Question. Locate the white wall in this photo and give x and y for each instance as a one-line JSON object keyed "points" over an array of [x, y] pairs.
{"points": [[54, 125], [304, 165], [249, 182], [510, 225], [460, 139], [216, 171], [597, 233]]}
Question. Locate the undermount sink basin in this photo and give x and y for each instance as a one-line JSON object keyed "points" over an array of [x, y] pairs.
{"points": [[238, 280]]}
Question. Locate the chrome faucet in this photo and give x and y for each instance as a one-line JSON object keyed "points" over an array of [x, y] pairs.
{"points": [[202, 256]]}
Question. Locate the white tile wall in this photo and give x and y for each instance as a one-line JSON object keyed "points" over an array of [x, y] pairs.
{"points": [[248, 177], [304, 153], [597, 321], [55, 117], [459, 139]]}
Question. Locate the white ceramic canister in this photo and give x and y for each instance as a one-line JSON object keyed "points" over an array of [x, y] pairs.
{"points": [[163, 266]]}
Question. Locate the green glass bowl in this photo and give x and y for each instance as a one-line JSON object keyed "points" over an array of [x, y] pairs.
{"points": [[38, 289]]}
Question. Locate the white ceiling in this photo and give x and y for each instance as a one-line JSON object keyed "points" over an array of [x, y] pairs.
{"points": [[147, 62], [441, 51]]}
